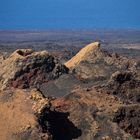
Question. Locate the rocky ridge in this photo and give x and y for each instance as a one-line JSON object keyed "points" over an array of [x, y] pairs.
{"points": [[92, 62]]}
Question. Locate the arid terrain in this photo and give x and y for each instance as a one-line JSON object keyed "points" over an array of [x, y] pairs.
{"points": [[66, 85]]}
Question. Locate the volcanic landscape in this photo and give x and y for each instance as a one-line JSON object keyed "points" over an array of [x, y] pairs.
{"points": [[70, 85]]}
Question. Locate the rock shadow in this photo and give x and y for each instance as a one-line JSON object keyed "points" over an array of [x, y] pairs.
{"points": [[58, 125]]}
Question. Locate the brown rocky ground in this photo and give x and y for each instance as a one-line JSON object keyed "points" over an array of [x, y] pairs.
{"points": [[18, 119], [94, 96]]}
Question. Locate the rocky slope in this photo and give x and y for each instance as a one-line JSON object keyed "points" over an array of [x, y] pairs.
{"points": [[94, 96], [18, 110], [92, 62]]}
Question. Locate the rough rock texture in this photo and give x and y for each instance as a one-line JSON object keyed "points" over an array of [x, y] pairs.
{"points": [[1, 58], [125, 85], [93, 63], [128, 118], [82, 108], [18, 110], [91, 111], [26, 68]]}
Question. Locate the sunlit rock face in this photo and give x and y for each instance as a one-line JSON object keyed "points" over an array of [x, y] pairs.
{"points": [[92, 62]]}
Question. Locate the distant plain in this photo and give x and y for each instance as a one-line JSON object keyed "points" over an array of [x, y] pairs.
{"points": [[66, 43]]}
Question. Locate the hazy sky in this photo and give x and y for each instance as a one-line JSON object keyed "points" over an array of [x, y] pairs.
{"points": [[37, 14]]}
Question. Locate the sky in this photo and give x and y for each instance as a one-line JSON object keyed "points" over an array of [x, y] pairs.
{"points": [[69, 14]]}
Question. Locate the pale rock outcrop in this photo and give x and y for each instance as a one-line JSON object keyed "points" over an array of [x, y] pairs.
{"points": [[92, 62], [82, 54]]}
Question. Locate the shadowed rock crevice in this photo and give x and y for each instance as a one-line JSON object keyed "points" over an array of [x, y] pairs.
{"points": [[58, 125], [24, 52]]}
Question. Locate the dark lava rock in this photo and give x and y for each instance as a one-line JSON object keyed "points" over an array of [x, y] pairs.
{"points": [[25, 68], [60, 87], [128, 118], [125, 85]]}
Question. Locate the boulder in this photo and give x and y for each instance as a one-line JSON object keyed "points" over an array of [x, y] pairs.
{"points": [[25, 68]]}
